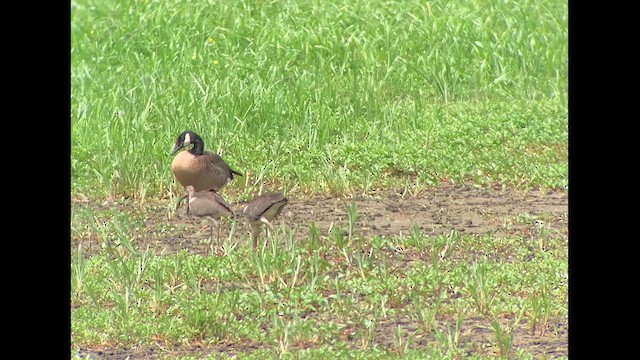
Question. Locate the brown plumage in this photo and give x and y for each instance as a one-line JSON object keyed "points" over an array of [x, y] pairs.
{"points": [[201, 169], [263, 209], [208, 204]]}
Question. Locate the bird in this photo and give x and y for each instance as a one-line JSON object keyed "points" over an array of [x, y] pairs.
{"points": [[263, 209], [209, 204], [196, 167]]}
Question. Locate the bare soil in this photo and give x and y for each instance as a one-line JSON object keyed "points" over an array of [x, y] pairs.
{"points": [[468, 210]]}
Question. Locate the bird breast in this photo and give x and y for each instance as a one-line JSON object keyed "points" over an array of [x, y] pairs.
{"points": [[208, 207], [203, 172]]}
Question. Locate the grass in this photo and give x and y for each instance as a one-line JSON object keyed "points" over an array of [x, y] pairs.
{"points": [[320, 97], [315, 98], [294, 298]]}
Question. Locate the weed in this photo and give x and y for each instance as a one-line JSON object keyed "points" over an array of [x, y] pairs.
{"points": [[505, 334], [481, 288]]}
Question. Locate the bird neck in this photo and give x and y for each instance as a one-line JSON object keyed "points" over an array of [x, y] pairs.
{"points": [[198, 146]]}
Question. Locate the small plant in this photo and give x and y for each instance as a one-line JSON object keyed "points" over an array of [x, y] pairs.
{"points": [[542, 234], [541, 303], [342, 244], [449, 341], [296, 272], [481, 289], [367, 339], [425, 312], [505, 334], [352, 212], [229, 244], [77, 271], [401, 345], [314, 237], [450, 243], [363, 262], [281, 331]]}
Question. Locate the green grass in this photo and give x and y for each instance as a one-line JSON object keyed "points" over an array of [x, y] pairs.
{"points": [[292, 295], [322, 97], [317, 97]]}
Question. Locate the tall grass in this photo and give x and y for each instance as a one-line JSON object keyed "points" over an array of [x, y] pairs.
{"points": [[320, 96]]}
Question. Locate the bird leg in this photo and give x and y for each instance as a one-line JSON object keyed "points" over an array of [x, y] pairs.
{"points": [[255, 233], [219, 241], [210, 245]]}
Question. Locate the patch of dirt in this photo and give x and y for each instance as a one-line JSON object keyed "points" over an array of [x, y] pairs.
{"points": [[438, 212], [467, 210]]}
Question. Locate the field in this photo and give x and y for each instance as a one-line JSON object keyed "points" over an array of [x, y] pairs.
{"points": [[422, 146]]}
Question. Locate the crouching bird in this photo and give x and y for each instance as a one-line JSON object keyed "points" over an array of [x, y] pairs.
{"points": [[263, 209]]}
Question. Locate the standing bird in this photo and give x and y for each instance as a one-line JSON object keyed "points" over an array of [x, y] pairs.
{"points": [[208, 204], [263, 209], [201, 169]]}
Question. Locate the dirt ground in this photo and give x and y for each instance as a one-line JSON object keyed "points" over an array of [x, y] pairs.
{"points": [[468, 210]]}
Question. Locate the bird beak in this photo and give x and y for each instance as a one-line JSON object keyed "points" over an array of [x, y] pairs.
{"points": [[185, 196], [176, 149]]}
